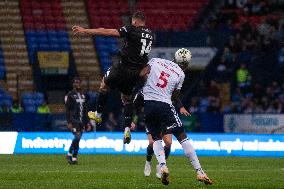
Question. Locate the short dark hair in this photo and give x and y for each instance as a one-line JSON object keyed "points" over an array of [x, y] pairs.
{"points": [[76, 79], [139, 15]]}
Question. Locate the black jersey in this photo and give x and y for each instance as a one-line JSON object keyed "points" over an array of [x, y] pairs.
{"points": [[137, 45], [76, 107]]}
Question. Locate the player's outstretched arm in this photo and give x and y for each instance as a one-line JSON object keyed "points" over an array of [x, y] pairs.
{"points": [[97, 31]]}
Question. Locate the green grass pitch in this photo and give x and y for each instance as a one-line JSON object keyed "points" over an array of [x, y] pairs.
{"points": [[125, 171]]}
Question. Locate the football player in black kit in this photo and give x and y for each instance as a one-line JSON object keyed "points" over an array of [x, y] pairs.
{"points": [[125, 74], [76, 114]]}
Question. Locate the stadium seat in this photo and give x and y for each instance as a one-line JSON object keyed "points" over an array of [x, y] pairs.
{"points": [[2, 72]]}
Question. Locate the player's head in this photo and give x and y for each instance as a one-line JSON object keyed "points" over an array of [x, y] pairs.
{"points": [[76, 83], [182, 58], [138, 19]]}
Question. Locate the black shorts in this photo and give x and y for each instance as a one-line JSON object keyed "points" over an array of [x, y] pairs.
{"points": [[122, 77], [161, 117]]}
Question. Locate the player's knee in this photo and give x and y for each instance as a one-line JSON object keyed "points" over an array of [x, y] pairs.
{"points": [[168, 143]]}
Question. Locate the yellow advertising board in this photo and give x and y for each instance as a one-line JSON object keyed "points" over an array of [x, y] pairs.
{"points": [[53, 59], [53, 62]]}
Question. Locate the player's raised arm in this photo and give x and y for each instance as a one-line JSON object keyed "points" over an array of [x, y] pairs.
{"points": [[97, 31]]}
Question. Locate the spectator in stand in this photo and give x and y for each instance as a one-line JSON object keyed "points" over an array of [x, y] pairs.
{"points": [[16, 107], [43, 108], [243, 78]]}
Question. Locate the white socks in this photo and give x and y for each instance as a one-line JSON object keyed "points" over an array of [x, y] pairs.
{"points": [[191, 155], [159, 152]]}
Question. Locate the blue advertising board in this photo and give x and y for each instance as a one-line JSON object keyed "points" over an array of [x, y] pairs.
{"points": [[267, 145]]}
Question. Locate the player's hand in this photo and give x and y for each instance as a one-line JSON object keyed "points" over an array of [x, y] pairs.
{"points": [[183, 111], [133, 126], [78, 29]]}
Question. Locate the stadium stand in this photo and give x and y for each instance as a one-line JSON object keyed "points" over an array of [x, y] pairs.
{"points": [[18, 71], [171, 15], [100, 16], [82, 46], [44, 26], [247, 63]]}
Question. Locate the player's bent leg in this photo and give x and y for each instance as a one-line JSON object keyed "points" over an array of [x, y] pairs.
{"points": [[100, 104], [190, 153], [128, 114]]}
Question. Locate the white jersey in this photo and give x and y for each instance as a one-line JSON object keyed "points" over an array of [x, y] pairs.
{"points": [[165, 76]]}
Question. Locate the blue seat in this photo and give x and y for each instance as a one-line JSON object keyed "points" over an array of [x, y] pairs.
{"points": [[31, 34], [6, 102], [52, 34], [33, 46], [44, 46], [41, 34], [2, 91], [55, 47], [62, 34], [52, 39], [30, 109], [100, 40], [102, 47], [1, 61], [2, 72], [111, 40], [38, 95], [27, 95], [42, 40], [31, 39], [63, 39], [113, 48], [103, 54], [65, 47]]}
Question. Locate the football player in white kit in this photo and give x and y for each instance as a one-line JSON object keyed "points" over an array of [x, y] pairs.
{"points": [[164, 81]]}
